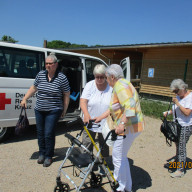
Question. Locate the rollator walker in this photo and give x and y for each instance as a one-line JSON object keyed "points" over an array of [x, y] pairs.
{"points": [[83, 163]]}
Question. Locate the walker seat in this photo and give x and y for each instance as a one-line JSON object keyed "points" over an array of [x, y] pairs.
{"points": [[80, 159]]}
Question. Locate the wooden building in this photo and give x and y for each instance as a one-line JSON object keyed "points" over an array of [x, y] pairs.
{"points": [[153, 65]]}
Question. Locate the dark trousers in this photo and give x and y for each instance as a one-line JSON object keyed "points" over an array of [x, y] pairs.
{"points": [[87, 142], [46, 123]]}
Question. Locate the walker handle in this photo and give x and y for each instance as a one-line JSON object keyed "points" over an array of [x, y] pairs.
{"points": [[91, 123], [73, 139]]}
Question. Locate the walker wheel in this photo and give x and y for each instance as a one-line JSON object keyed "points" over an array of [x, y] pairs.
{"points": [[96, 180], [64, 187]]}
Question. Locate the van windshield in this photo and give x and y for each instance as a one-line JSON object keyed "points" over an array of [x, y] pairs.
{"points": [[20, 63]]}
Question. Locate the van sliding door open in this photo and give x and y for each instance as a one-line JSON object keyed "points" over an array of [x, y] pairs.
{"points": [[71, 67]]}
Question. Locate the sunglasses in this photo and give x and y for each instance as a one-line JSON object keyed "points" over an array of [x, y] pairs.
{"points": [[99, 77], [176, 91]]}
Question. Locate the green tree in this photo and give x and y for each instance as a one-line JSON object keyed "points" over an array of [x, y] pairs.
{"points": [[62, 44], [8, 39], [58, 44], [78, 45]]}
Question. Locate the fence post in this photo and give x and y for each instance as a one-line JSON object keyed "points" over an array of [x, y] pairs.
{"points": [[185, 73]]}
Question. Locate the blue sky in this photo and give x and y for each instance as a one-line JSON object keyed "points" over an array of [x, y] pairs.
{"points": [[91, 22]]}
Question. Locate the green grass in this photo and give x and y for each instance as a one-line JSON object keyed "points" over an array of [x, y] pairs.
{"points": [[153, 108]]}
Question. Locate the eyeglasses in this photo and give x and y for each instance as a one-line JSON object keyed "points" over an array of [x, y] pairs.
{"points": [[99, 77], [176, 91], [50, 63]]}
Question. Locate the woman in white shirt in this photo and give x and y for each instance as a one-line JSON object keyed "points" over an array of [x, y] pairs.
{"points": [[95, 101], [183, 108]]}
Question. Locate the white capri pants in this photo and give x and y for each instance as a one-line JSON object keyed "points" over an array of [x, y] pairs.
{"points": [[120, 161]]}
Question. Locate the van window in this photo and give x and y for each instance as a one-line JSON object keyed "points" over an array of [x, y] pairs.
{"points": [[20, 63], [90, 64]]}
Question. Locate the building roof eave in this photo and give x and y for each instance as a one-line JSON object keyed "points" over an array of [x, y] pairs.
{"points": [[135, 46]]}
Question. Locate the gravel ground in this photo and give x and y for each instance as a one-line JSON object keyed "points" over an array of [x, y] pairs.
{"points": [[19, 171]]}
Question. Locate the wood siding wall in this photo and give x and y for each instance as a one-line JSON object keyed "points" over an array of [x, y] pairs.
{"points": [[168, 64]]}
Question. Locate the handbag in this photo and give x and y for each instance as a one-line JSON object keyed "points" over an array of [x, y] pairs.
{"points": [[110, 122], [170, 129], [108, 125], [23, 123]]}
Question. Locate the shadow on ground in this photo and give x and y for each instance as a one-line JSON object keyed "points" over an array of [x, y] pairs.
{"points": [[171, 165], [31, 134], [140, 178]]}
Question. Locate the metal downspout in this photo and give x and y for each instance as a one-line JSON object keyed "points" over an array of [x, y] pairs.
{"points": [[185, 72], [104, 56]]}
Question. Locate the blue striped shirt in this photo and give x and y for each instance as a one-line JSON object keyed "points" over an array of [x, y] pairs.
{"points": [[50, 93]]}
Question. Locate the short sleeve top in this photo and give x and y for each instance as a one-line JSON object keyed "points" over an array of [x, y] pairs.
{"points": [[98, 101], [50, 93], [186, 102]]}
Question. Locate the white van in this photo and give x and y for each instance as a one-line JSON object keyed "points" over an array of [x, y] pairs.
{"points": [[19, 64]]}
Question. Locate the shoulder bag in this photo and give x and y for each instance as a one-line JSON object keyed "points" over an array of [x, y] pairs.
{"points": [[108, 125], [170, 129]]}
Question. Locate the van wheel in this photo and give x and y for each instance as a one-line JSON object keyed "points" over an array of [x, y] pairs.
{"points": [[4, 133]]}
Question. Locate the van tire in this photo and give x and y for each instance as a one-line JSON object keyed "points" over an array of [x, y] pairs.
{"points": [[5, 133]]}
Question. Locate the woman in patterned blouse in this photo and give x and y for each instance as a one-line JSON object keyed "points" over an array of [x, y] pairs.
{"points": [[126, 112]]}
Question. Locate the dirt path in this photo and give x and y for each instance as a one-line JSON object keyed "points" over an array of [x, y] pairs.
{"points": [[19, 171]]}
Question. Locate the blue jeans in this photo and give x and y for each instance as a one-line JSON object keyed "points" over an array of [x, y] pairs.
{"points": [[46, 122]]}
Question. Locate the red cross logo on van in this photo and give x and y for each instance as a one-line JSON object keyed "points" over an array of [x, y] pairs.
{"points": [[4, 101]]}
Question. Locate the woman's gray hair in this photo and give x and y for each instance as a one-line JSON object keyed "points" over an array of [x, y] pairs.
{"points": [[52, 57], [99, 69], [115, 70], [178, 84]]}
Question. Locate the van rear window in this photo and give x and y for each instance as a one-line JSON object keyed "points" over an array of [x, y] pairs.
{"points": [[20, 63]]}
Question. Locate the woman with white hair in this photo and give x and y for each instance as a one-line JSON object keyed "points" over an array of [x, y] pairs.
{"points": [[183, 109], [53, 93], [126, 112], [95, 101]]}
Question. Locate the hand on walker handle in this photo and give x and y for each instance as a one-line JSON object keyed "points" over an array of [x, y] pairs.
{"points": [[120, 129], [86, 118], [97, 119]]}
